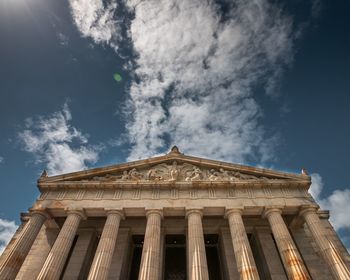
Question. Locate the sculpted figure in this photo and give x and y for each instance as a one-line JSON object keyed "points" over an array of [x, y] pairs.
{"points": [[125, 175], [153, 175], [244, 176], [214, 175], [135, 175], [195, 175], [225, 176], [97, 178], [174, 172], [111, 177], [189, 175], [107, 177]]}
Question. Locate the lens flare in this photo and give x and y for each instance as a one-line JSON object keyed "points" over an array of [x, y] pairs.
{"points": [[117, 77]]}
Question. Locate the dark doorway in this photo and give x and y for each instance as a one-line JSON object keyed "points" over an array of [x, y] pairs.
{"points": [[258, 258], [137, 243], [212, 253], [175, 257], [69, 255]]}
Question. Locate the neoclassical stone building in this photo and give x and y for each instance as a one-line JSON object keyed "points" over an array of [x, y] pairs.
{"points": [[175, 217]]}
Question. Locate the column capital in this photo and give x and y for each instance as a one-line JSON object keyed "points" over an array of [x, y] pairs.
{"points": [[268, 210], [78, 211], [194, 210], [304, 209], [154, 211], [25, 217], [117, 211], [40, 211], [230, 211]]}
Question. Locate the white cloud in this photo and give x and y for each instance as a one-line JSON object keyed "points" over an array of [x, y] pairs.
{"points": [[316, 186], [1, 159], [7, 229], [196, 71], [54, 141], [337, 203], [94, 18]]}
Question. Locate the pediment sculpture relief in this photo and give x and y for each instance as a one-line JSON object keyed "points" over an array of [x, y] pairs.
{"points": [[179, 172]]}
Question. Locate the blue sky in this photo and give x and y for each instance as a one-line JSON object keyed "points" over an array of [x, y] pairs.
{"points": [[263, 83]]}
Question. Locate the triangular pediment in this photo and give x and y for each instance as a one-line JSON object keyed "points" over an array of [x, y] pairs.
{"points": [[174, 167]]}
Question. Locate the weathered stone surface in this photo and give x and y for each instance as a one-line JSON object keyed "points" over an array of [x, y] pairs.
{"points": [[182, 195]]}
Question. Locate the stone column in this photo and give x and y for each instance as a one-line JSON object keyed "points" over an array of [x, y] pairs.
{"points": [[243, 253], [15, 257], [150, 263], [197, 260], [327, 249], [103, 257], [56, 259], [290, 256]]}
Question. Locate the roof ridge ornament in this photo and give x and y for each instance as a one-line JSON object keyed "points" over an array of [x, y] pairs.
{"points": [[304, 172], [174, 150], [44, 174]]}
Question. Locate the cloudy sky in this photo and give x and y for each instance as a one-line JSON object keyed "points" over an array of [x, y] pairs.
{"points": [[92, 83]]}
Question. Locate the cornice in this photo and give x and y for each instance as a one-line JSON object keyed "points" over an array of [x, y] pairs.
{"points": [[169, 185]]}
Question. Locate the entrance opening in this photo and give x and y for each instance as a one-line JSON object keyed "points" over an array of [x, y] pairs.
{"points": [[175, 257], [212, 253], [90, 253], [137, 243], [258, 258], [69, 255]]}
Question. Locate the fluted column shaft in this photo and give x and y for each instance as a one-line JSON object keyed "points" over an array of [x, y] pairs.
{"points": [[16, 256], [103, 257], [244, 257], [197, 260], [290, 256], [56, 259], [150, 260], [327, 249]]}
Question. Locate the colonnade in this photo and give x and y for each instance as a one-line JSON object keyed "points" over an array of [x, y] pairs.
{"points": [[151, 252]]}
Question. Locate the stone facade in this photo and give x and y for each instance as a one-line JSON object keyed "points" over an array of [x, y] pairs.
{"points": [[175, 217]]}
